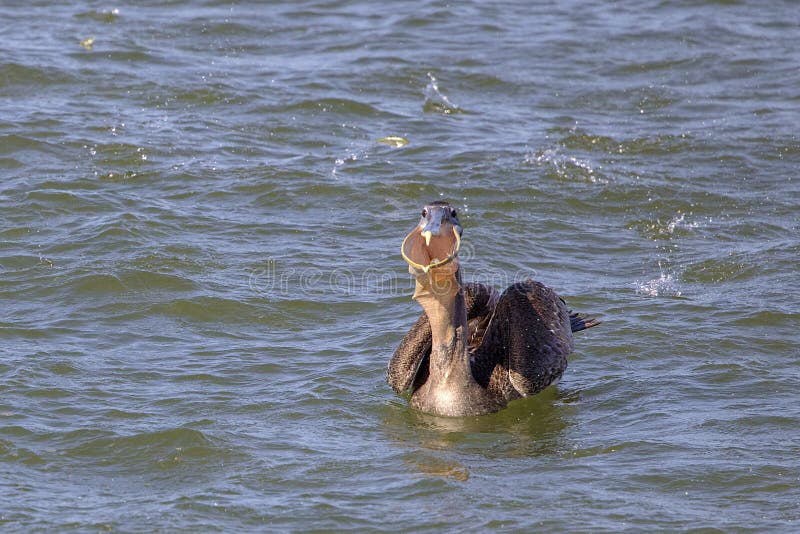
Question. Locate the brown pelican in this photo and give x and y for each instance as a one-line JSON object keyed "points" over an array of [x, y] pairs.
{"points": [[473, 351]]}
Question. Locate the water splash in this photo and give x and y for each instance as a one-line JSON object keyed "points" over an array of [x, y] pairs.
{"points": [[349, 157], [680, 222], [363, 153], [660, 229], [437, 101], [568, 167], [338, 162], [664, 285]]}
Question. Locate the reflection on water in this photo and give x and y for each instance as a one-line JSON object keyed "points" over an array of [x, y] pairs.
{"points": [[528, 428], [435, 466]]}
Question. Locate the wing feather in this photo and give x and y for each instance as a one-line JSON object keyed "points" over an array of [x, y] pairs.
{"points": [[526, 344]]}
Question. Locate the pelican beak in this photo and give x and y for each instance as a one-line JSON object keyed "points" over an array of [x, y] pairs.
{"points": [[433, 224], [433, 243]]}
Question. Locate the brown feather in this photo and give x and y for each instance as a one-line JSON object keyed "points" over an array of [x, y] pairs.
{"points": [[518, 342]]}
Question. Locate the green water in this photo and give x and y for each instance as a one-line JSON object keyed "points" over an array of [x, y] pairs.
{"points": [[201, 285]]}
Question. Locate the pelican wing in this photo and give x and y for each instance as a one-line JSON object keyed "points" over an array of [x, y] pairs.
{"points": [[526, 344], [409, 357]]}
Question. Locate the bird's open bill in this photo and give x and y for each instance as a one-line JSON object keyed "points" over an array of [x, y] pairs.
{"points": [[425, 249]]}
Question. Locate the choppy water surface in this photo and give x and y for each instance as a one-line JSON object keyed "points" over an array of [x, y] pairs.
{"points": [[200, 280]]}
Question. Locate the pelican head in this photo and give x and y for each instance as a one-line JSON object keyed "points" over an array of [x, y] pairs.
{"points": [[435, 241]]}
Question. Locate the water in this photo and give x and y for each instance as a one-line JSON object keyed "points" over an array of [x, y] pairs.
{"points": [[201, 285]]}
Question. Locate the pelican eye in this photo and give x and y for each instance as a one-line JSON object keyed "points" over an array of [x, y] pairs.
{"points": [[424, 212], [453, 213]]}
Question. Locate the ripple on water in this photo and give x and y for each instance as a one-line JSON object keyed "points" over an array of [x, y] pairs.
{"points": [[656, 145], [768, 318], [734, 267], [11, 453], [118, 154], [207, 310], [92, 284], [10, 163], [338, 106], [641, 100], [105, 15], [15, 76], [566, 167], [163, 449], [129, 280], [182, 260], [210, 95], [21, 144]]}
